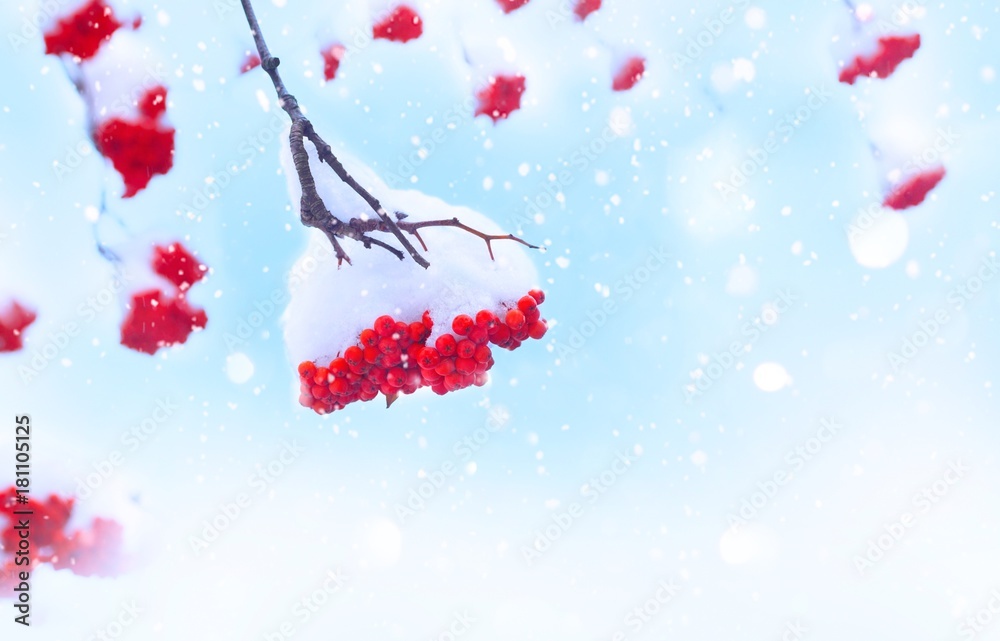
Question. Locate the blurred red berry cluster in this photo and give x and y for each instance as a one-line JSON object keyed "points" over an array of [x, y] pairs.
{"points": [[14, 318], [890, 52], [159, 319], [94, 551], [501, 96], [402, 25], [139, 148], [82, 33]]}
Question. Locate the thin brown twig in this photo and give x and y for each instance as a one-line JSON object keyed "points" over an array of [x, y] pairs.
{"points": [[313, 210], [368, 226]]}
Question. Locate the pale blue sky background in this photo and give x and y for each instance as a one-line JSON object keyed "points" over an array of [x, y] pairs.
{"points": [[650, 190]]}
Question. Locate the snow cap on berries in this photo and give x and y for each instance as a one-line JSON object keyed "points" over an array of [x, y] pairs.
{"points": [[330, 306]]}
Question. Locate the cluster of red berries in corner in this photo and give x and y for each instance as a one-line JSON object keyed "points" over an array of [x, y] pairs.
{"points": [[96, 551], [392, 357], [159, 319]]}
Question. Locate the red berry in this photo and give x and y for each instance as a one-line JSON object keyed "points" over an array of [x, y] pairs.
{"points": [[427, 320], [384, 326], [515, 319], [538, 295], [339, 367], [501, 336], [417, 332], [429, 375], [481, 379], [340, 387], [369, 338], [354, 355], [445, 367], [462, 324], [483, 353], [428, 357], [453, 381], [487, 320], [465, 348], [479, 335], [396, 377], [413, 352], [446, 344], [322, 376], [320, 391], [388, 346], [527, 304], [372, 355], [537, 329], [465, 365], [307, 369]]}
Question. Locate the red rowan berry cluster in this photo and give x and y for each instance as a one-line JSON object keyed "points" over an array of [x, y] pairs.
{"points": [[890, 53], [139, 148], [14, 318], [913, 191], [157, 319], [501, 97], [82, 33], [92, 552], [402, 25], [393, 357]]}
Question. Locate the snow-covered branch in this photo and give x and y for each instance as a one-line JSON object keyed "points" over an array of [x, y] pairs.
{"points": [[314, 212]]}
